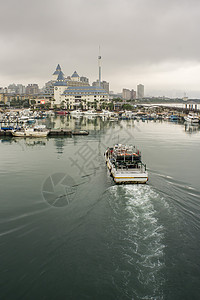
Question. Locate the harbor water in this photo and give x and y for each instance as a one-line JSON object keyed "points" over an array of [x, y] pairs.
{"points": [[68, 232]]}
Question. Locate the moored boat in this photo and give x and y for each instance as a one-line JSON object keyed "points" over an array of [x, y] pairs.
{"points": [[19, 133], [37, 131], [91, 113], [125, 165], [33, 132], [76, 112], [192, 118]]}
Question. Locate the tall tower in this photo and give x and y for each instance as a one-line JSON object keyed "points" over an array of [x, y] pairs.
{"points": [[99, 60]]}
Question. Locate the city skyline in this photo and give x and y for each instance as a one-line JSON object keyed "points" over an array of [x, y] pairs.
{"points": [[149, 42]]}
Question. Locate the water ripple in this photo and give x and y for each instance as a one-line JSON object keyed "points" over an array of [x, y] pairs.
{"points": [[139, 236]]}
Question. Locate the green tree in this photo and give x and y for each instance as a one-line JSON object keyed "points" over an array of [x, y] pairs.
{"points": [[127, 106], [111, 106]]}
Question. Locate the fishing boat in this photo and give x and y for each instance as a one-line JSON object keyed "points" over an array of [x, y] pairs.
{"points": [[192, 118], [125, 165]]}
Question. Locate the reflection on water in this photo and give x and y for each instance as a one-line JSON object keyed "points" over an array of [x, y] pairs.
{"points": [[192, 128]]}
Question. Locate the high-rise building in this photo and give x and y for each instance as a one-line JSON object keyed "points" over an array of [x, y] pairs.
{"points": [[126, 94], [140, 91], [133, 94]]}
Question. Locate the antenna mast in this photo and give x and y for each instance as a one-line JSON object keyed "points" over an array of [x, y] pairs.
{"points": [[99, 60]]}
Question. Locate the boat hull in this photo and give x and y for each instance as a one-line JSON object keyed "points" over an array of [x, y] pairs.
{"points": [[129, 176], [37, 134], [30, 133], [18, 134]]}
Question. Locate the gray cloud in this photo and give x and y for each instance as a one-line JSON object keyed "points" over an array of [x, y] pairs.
{"points": [[141, 40]]}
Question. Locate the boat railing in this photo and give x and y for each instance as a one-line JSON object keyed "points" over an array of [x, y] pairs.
{"points": [[137, 168]]}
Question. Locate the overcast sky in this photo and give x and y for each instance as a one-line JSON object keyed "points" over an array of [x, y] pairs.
{"points": [[153, 42]]}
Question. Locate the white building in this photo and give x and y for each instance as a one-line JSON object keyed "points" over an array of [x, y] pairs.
{"points": [[73, 97], [75, 76], [87, 96], [59, 87]]}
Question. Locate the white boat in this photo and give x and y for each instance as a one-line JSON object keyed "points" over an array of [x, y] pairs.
{"points": [[92, 113], [24, 118], [192, 118], [125, 165], [19, 133], [105, 113], [76, 113], [37, 131], [33, 132], [113, 117]]}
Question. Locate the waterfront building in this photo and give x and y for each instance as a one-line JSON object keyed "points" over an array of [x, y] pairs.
{"points": [[75, 92], [57, 78], [78, 96], [140, 91], [84, 96]]}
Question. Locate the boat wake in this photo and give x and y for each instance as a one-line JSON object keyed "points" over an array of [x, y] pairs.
{"points": [[138, 244]]}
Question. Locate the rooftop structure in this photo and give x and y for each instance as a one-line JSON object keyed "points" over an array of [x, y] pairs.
{"points": [[57, 72]]}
